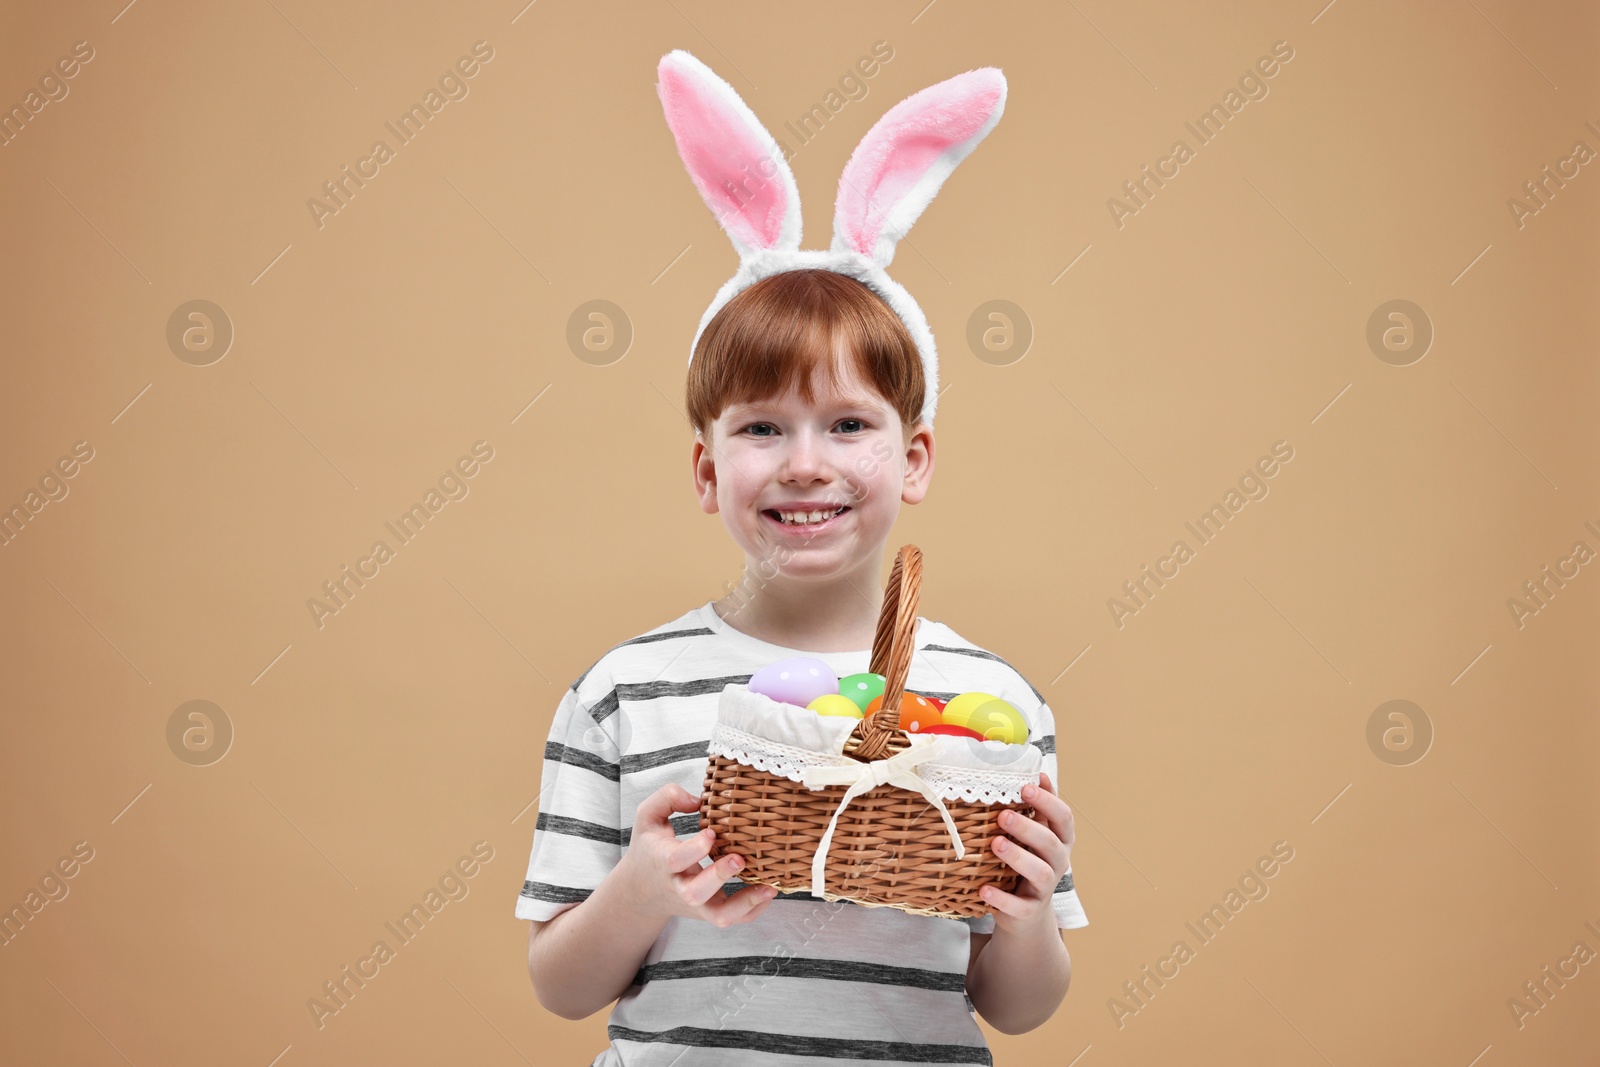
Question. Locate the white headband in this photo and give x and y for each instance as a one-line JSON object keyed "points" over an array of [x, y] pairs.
{"points": [[892, 176]]}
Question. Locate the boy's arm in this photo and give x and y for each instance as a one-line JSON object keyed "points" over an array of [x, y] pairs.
{"points": [[587, 956], [1018, 980], [581, 956]]}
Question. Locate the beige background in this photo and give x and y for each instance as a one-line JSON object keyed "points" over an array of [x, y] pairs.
{"points": [[431, 311]]}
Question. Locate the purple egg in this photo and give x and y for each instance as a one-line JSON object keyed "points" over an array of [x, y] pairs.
{"points": [[795, 681]]}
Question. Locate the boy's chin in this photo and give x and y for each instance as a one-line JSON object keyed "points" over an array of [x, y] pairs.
{"points": [[803, 569], [802, 558]]}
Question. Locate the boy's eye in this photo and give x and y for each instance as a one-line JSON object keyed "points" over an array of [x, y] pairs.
{"points": [[850, 426]]}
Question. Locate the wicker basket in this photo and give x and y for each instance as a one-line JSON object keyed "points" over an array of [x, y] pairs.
{"points": [[916, 834]]}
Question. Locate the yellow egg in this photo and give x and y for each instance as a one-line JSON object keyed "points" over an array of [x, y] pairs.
{"points": [[835, 704], [997, 720], [959, 708]]}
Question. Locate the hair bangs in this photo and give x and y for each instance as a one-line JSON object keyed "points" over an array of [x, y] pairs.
{"points": [[803, 330]]}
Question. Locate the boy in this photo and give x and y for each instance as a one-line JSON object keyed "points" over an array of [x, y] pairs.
{"points": [[805, 393]]}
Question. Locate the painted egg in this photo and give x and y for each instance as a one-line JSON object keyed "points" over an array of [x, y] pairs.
{"points": [[795, 681], [997, 720], [861, 688], [917, 713], [835, 704], [952, 730], [958, 708]]}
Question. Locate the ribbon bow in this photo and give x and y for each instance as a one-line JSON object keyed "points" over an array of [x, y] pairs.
{"points": [[860, 777]]}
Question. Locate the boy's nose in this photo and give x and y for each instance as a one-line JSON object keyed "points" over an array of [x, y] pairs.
{"points": [[804, 458]]}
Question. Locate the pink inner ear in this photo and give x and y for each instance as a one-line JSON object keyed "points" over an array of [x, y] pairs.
{"points": [[726, 159], [901, 148]]}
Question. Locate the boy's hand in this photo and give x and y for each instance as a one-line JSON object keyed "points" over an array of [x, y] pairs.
{"points": [[1041, 851], [664, 874]]}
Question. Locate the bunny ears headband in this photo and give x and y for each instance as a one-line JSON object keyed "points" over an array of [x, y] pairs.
{"points": [[893, 174]]}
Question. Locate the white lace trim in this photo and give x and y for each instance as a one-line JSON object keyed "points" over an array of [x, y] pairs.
{"points": [[974, 786], [786, 761]]}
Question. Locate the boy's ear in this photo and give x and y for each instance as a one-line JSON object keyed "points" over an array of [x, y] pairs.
{"points": [[919, 464], [703, 469]]}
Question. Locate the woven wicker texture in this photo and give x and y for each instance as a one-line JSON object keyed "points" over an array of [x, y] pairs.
{"points": [[890, 847]]}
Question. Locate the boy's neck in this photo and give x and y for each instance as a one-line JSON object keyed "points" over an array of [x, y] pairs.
{"points": [[823, 616]]}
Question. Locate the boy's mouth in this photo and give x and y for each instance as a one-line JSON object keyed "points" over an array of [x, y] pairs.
{"points": [[811, 520]]}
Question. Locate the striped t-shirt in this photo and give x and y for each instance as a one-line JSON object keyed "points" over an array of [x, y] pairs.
{"points": [[809, 982]]}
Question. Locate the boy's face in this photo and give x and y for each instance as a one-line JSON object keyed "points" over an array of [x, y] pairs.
{"points": [[847, 449]]}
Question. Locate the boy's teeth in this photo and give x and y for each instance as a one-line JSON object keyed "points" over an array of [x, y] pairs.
{"points": [[803, 518]]}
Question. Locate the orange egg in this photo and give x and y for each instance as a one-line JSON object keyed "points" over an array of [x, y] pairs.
{"points": [[917, 713]]}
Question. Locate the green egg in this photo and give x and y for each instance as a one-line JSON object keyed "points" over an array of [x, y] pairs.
{"points": [[862, 688]]}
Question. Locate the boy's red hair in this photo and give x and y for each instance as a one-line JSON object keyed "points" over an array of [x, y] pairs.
{"points": [[784, 331]]}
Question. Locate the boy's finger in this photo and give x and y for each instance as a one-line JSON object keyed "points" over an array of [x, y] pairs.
{"points": [[761, 896], [742, 906], [708, 883], [654, 808], [1050, 808], [657, 808], [690, 849], [683, 800], [753, 901]]}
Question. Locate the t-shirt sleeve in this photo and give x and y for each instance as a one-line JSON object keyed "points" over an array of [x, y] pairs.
{"points": [[1064, 901], [577, 839]]}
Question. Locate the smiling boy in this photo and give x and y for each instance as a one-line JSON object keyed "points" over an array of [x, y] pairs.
{"points": [[805, 392]]}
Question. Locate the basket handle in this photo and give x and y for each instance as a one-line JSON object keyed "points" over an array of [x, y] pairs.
{"points": [[891, 650]]}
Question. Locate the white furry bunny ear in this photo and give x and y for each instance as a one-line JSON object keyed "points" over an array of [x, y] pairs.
{"points": [[904, 159], [735, 163]]}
